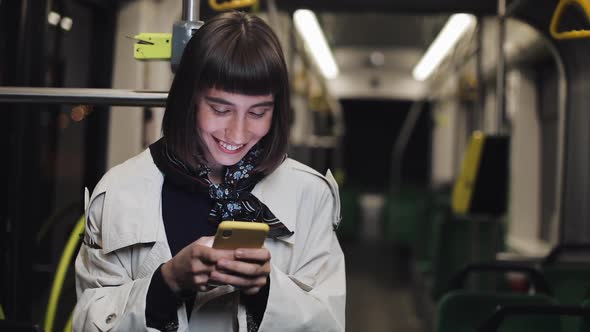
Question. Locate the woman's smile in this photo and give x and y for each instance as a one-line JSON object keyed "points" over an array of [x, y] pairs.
{"points": [[229, 148]]}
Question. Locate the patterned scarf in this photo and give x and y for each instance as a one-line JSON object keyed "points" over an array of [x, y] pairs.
{"points": [[233, 199]]}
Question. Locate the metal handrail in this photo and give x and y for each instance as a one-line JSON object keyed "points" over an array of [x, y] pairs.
{"points": [[492, 324], [109, 97], [401, 143]]}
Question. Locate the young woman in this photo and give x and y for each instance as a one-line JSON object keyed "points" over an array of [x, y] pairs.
{"points": [[146, 259]]}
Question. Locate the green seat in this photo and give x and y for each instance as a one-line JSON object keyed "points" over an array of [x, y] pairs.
{"points": [[463, 311], [570, 281], [493, 273], [584, 325], [19, 326], [570, 284], [507, 312], [349, 228], [404, 210], [59, 280], [461, 241], [438, 210]]}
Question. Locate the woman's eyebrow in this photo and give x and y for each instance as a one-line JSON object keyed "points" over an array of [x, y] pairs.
{"points": [[225, 102], [218, 100]]}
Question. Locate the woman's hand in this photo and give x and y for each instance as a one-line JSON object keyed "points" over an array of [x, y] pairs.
{"points": [[190, 269], [249, 271]]}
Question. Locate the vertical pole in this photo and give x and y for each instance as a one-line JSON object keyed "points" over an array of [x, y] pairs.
{"points": [[183, 30], [501, 69], [190, 10], [481, 84]]}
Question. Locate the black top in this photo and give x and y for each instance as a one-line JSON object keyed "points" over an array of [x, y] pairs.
{"points": [[185, 216], [185, 221]]}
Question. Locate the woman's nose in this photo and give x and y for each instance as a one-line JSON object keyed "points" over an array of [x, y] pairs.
{"points": [[236, 131]]}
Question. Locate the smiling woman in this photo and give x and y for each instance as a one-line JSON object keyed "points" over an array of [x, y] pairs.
{"points": [[146, 261]]}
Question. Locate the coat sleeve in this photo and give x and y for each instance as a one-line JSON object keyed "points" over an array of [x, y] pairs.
{"points": [[108, 298], [313, 296]]}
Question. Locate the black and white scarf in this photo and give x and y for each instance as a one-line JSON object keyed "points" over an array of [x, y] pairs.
{"points": [[233, 199]]}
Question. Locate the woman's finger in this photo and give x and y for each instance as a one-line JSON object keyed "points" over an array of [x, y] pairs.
{"points": [[237, 280], [200, 279], [252, 254], [208, 255], [246, 269]]}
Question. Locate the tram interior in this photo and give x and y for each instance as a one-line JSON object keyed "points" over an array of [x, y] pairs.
{"points": [[463, 195]]}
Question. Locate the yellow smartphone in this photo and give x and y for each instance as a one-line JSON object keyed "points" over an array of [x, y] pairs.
{"points": [[240, 234]]}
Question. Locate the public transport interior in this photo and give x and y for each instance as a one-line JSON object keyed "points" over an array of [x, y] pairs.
{"points": [[458, 132]]}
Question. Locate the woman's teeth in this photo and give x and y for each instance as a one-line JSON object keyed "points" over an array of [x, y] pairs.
{"points": [[230, 147]]}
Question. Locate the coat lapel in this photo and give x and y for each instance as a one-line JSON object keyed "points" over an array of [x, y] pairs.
{"points": [[281, 202]]}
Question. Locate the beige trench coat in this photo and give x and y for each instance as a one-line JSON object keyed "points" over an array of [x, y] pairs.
{"points": [[124, 220]]}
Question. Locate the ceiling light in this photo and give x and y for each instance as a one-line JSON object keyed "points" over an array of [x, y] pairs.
{"points": [[308, 27], [448, 37], [66, 23], [53, 18]]}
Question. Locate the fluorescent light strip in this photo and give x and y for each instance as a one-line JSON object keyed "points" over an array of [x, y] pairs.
{"points": [[311, 32], [450, 34]]}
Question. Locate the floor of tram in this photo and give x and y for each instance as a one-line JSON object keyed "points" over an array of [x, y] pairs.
{"points": [[379, 295]]}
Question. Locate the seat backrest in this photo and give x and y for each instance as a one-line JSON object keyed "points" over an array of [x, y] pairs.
{"points": [[349, 228], [61, 275], [14, 326], [461, 241], [463, 311], [570, 282], [584, 323]]}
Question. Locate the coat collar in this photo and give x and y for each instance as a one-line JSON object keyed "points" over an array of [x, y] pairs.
{"points": [[135, 185]]}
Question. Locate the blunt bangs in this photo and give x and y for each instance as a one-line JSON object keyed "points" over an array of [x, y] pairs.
{"points": [[243, 64]]}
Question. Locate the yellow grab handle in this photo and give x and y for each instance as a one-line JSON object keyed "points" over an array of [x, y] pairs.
{"points": [[60, 275], [556, 19], [68, 327], [233, 4]]}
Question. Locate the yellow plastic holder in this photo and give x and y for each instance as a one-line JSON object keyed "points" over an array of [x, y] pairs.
{"points": [[152, 46], [556, 19], [233, 4]]}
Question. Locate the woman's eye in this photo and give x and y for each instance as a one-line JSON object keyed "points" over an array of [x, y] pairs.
{"points": [[219, 110], [259, 112]]}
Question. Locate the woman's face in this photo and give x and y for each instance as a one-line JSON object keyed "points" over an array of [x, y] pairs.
{"points": [[231, 124]]}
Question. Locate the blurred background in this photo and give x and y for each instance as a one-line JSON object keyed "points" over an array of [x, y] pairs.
{"points": [[457, 131]]}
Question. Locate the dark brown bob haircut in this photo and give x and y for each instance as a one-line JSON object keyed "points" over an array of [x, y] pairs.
{"points": [[238, 53]]}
